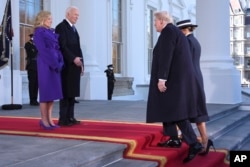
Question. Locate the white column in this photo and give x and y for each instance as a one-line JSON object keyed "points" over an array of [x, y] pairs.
{"points": [[5, 87], [221, 78], [5, 73], [92, 28]]}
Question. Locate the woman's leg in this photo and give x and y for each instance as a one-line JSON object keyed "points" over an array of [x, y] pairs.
{"points": [[50, 109], [203, 132], [44, 113]]}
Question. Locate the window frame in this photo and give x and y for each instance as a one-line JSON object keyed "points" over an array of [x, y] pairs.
{"points": [[118, 45], [26, 21]]}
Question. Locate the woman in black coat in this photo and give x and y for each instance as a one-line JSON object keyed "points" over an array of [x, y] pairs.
{"points": [[187, 28], [172, 90]]}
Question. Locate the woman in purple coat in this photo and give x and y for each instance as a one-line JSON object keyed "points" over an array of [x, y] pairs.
{"points": [[49, 64]]}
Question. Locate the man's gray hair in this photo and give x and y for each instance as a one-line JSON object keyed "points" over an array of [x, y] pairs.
{"points": [[68, 10], [164, 15]]}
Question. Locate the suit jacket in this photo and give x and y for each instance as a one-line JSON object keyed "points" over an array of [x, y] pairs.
{"points": [[69, 41]]}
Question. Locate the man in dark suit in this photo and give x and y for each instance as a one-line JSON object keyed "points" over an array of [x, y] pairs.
{"points": [[31, 67], [69, 41]]}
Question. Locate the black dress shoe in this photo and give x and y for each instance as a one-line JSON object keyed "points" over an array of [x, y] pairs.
{"points": [[34, 103], [64, 123], [74, 121], [194, 149], [175, 143], [76, 101]]}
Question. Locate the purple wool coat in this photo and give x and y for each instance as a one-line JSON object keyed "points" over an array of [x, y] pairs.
{"points": [[49, 64]]}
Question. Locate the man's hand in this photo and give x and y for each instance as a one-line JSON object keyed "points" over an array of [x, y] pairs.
{"points": [[161, 86], [78, 61]]}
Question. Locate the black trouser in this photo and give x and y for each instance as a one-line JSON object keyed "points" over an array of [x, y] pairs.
{"points": [[110, 89], [33, 85], [169, 129], [66, 107]]}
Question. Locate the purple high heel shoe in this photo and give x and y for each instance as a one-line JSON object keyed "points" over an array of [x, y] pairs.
{"points": [[41, 124], [54, 126]]}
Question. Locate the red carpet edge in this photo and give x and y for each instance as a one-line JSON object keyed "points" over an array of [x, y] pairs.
{"points": [[129, 153]]}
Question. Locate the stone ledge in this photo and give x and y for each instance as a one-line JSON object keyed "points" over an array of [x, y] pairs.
{"points": [[123, 86]]}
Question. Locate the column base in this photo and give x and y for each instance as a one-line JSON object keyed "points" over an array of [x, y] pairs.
{"points": [[93, 86], [123, 86], [5, 85], [222, 86]]}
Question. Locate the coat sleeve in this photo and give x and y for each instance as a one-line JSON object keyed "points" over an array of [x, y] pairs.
{"points": [[46, 51], [166, 46], [67, 53]]}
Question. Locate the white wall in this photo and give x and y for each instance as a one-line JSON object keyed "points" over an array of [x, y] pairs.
{"points": [[94, 27]]}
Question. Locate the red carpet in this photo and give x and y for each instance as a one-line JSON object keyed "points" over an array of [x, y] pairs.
{"points": [[141, 140]]}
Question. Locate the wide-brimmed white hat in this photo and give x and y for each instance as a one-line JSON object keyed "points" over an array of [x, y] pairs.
{"points": [[185, 24]]}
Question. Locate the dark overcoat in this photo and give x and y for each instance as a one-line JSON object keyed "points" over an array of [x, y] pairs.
{"points": [[172, 62], [31, 52], [49, 64], [70, 46], [195, 49]]}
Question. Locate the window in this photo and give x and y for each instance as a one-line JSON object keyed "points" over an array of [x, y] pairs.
{"points": [[117, 35], [238, 20], [238, 61], [27, 10], [237, 33], [150, 35], [248, 63], [248, 34], [248, 50], [150, 17], [247, 76], [239, 48]]}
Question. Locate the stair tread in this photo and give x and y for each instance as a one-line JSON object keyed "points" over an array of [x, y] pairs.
{"points": [[231, 124], [133, 162], [67, 152], [246, 146], [233, 138], [217, 126]]}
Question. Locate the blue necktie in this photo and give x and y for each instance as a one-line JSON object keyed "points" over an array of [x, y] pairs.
{"points": [[74, 28]]}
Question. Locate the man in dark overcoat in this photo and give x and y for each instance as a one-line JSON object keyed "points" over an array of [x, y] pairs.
{"points": [[69, 41], [202, 116], [172, 90], [31, 67]]}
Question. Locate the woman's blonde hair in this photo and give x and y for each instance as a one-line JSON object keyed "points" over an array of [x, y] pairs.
{"points": [[40, 17], [164, 15]]}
